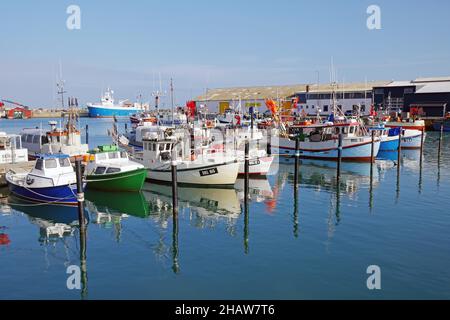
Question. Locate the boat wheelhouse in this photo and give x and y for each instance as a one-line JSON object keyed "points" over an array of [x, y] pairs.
{"points": [[11, 150]]}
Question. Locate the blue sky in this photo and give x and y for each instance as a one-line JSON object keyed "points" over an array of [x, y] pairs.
{"points": [[200, 43]]}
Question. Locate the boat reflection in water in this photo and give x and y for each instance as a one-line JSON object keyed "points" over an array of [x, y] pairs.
{"points": [[206, 206], [259, 190], [54, 222], [322, 175]]}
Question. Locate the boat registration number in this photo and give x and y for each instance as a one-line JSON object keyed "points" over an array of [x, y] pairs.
{"points": [[254, 162], [208, 172]]}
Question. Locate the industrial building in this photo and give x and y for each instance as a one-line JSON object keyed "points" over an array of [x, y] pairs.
{"points": [[429, 97], [350, 98], [218, 100], [312, 98]]}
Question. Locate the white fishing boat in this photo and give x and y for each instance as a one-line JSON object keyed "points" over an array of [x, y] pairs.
{"points": [[321, 141], [66, 140], [11, 150], [194, 167]]}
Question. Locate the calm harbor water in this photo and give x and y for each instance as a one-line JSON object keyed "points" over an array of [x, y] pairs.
{"points": [[316, 244]]}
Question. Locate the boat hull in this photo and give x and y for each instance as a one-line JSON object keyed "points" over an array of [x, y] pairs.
{"points": [[355, 152], [259, 166], [412, 139], [389, 143], [437, 126], [221, 174], [105, 112], [130, 181], [64, 195]]}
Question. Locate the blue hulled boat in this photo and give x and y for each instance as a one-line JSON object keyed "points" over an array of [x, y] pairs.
{"points": [[52, 180], [389, 137], [107, 109]]}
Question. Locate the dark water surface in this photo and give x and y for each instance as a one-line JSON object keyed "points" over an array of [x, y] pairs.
{"points": [[317, 244]]}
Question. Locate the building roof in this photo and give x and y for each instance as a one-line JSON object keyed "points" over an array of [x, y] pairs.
{"points": [[248, 93], [399, 84], [356, 86], [271, 92], [433, 79], [434, 87]]}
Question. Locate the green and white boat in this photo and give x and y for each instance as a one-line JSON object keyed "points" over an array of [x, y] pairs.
{"points": [[110, 169]]}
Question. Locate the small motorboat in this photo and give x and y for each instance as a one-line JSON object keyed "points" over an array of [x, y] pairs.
{"points": [[110, 169], [52, 181]]}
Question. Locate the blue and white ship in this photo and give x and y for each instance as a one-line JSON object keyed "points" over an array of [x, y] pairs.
{"points": [[107, 109], [52, 181]]}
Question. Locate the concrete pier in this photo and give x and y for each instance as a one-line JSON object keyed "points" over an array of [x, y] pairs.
{"points": [[17, 167]]}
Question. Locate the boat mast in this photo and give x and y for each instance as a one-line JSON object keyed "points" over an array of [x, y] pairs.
{"points": [[171, 101]]}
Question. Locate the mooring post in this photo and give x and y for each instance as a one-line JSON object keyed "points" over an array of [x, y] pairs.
{"points": [[269, 142], [87, 134], [174, 187], [441, 135], [297, 161], [80, 192], [399, 151], [246, 170], [422, 140], [339, 156], [372, 149], [126, 127]]}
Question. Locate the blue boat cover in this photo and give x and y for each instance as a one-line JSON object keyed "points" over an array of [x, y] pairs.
{"points": [[394, 132]]}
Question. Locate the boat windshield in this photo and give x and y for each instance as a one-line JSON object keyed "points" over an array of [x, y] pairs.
{"points": [[51, 164], [64, 162]]}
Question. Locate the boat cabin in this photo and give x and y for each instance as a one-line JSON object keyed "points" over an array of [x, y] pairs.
{"points": [[160, 150], [323, 132], [106, 160], [50, 165]]}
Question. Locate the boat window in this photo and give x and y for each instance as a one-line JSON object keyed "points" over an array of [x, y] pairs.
{"points": [[337, 130], [35, 139], [161, 147], [113, 155], [64, 162], [113, 170], [345, 130], [44, 140], [29, 138], [51, 164], [352, 129], [123, 155], [39, 164], [168, 147], [101, 156], [154, 146], [23, 138], [100, 170]]}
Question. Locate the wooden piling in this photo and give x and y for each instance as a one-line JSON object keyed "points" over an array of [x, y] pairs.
{"points": [[174, 187], [87, 134], [297, 161], [269, 142], [246, 170], [80, 192], [339, 162]]}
